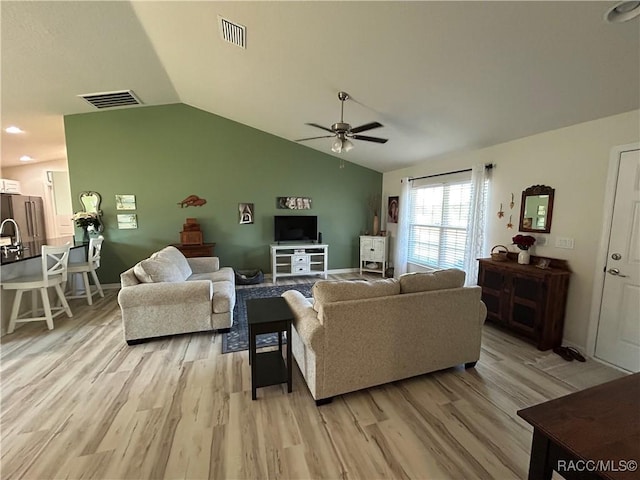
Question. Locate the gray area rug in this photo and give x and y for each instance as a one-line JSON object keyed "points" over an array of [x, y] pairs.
{"points": [[238, 337]]}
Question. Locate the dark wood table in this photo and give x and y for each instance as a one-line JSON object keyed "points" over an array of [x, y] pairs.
{"points": [[269, 315], [191, 251], [591, 434]]}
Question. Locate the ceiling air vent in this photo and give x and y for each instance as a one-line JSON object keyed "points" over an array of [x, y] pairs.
{"points": [[123, 98], [233, 32]]}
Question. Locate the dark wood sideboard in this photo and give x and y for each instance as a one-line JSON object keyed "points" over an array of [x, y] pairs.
{"points": [[526, 299], [189, 251]]}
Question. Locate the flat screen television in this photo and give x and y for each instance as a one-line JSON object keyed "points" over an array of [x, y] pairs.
{"points": [[295, 228]]}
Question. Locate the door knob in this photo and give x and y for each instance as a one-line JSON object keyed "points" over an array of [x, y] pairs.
{"points": [[615, 272]]}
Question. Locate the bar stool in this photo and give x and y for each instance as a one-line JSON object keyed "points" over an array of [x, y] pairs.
{"points": [[84, 268], [52, 276]]}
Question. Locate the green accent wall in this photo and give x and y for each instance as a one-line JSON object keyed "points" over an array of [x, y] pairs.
{"points": [[163, 154]]}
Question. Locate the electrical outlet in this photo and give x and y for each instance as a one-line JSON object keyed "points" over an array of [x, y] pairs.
{"points": [[564, 242]]}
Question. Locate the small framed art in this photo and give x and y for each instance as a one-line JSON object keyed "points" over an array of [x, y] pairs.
{"points": [[246, 213], [125, 202], [127, 221]]}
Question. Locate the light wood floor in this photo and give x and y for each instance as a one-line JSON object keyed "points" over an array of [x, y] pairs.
{"points": [[77, 402]]}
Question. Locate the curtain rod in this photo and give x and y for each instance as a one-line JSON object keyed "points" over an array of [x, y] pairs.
{"points": [[487, 166]]}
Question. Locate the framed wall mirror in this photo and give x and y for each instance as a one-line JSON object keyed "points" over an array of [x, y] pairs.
{"points": [[536, 209], [90, 202]]}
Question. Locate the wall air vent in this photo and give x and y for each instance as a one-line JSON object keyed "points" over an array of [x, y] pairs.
{"points": [[123, 98], [233, 32]]}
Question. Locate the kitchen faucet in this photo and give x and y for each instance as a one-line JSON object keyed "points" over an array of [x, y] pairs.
{"points": [[17, 242]]}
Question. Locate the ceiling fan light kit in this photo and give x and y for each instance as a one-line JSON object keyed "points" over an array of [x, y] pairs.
{"points": [[341, 143], [343, 132]]}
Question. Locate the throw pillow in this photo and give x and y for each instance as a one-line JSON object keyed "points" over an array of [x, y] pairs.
{"points": [[154, 270], [438, 280], [175, 256]]}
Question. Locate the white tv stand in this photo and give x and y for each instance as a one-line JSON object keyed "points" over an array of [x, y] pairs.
{"points": [[289, 260]]}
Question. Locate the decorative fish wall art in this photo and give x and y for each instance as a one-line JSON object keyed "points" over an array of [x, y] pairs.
{"points": [[192, 201]]}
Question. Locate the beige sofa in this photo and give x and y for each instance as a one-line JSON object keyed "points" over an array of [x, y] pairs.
{"points": [[357, 334], [169, 294]]}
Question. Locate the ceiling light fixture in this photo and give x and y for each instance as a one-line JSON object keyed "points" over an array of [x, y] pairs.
{"points": [[13, 129], [337, 145], [25, 158], [622, 12], [347, 145], [341, 143]]}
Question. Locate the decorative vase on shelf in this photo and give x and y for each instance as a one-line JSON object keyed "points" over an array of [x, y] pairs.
{"points": [[524, 257], [376, 225]]}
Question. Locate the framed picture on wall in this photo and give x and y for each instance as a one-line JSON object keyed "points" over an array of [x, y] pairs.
{"points": [[392, 210], [246, 213], [127, 221], [125, 202], [294, 203]]}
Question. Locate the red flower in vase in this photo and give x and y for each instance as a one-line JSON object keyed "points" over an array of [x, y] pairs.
{"points": [[523, 241]]}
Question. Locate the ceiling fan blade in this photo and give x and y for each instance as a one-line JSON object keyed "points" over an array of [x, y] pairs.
{"points": [[366, 126], [319, 126], [370, 139], [313, 138]]}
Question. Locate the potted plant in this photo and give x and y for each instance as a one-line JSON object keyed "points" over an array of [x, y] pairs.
{"points": [[524, 242], [88, 221]]}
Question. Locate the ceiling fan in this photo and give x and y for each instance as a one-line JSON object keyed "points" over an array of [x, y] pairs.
{"points": [[343, 132]]}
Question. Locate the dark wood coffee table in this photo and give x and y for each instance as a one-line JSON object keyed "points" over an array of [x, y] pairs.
{"points": [[269, 315], [590, 434]]}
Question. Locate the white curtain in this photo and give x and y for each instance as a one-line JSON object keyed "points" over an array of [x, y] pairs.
{"points": [[402, 236], [476, 229]]}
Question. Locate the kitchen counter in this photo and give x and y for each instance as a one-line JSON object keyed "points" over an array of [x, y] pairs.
{"points": [[34, 249]]}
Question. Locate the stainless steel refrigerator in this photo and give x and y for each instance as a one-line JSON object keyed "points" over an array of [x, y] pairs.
{"points": [[28, 213]]}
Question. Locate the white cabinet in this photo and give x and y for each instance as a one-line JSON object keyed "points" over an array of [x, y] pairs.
{"points": [[374, 254], [292, 260], [9, 186]]}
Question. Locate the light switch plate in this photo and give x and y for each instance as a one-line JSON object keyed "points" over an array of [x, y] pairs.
{"points": [[564, 242]]}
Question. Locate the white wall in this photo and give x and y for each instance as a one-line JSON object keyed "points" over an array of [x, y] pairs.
{"points": [[574, 161], [32, 178]]}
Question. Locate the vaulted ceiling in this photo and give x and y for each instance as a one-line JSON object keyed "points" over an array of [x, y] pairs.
{"points": [[440, 76]]}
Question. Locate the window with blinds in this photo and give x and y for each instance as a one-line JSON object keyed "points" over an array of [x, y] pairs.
{"points": [[439, 218]]}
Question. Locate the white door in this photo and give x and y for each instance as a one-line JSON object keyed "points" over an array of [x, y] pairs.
{"points": [[618, 337]]}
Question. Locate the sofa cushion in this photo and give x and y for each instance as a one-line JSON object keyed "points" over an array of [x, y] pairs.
{"points": [[331, 291], [154, 270], [438, 280], [175, 256], [225, 274]]}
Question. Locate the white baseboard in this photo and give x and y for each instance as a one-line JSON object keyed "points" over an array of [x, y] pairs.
{"points": [[344, 270]]}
